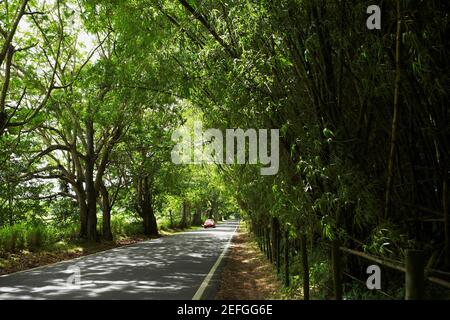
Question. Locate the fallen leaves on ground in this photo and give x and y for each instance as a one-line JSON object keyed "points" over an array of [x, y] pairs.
{"points": [[247, 274]]}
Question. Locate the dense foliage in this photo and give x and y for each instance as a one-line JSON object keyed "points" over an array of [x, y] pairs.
{"points": [[91, 92]]}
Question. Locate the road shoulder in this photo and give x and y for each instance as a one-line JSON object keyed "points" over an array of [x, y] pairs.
{"points": [[246, 274]]}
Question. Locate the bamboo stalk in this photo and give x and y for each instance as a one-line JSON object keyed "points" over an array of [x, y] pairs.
{"points": [[286, 259], [446, 222], [394, 128], [415, 275], [305, 266], [337, 270]]}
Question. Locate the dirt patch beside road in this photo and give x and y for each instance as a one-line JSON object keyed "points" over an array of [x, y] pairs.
{"points": [[247, 274]]}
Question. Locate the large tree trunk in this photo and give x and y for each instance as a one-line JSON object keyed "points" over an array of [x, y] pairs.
{"points": [[210, 214], [81, 200], [106, 210], [145, 204], [171, 219], [214, 212], [150, 225], [197, 217], [91, 195], [83, 218], [184, 223]]}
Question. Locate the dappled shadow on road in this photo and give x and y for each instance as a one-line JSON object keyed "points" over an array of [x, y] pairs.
{"points": [[165, 268]]}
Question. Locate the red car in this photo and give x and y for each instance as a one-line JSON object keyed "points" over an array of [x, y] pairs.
{"points": [[209, 223]]}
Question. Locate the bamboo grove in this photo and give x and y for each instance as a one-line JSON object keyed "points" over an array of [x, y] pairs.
{"points": [[363, 118]]}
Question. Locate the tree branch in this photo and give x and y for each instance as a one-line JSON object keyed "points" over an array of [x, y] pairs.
{"points": [[12, 32], [209, 27]]}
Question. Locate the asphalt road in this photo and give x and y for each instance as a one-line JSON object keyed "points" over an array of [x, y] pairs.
{"points": [[172, 267]]}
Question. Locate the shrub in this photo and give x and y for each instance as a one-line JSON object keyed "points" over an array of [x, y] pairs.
{"points": [[12, 238], [69, 232], [122, 226], [118, 223], [134, 228], [36, 237]]}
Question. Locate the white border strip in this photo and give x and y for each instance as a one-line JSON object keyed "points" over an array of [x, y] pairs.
{"points": [[201, 290]]}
